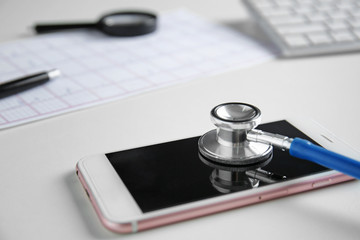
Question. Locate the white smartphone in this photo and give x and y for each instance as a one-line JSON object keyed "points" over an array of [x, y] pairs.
{"points": [[146, 187]]}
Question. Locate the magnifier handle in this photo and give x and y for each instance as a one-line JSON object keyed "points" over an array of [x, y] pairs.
{"points": [[304, 149], [44, 28]]}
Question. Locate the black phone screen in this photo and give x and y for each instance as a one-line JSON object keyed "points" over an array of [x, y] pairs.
{"points": [[171, 173]]}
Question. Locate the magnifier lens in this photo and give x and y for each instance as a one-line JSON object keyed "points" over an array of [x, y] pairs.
{"points": [[128, 23], [124, 19]]}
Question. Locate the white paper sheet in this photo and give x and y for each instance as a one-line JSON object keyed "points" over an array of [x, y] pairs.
{"points": [[97, 68]]}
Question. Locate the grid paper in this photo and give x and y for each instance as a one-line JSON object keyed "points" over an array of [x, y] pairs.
{"points": [[97, 68]]}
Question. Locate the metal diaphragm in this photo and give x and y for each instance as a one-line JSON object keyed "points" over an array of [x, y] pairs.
{"points": [[228, 143]]}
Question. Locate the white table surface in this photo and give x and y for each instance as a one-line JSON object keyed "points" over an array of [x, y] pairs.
{"points": [[41, 197]]}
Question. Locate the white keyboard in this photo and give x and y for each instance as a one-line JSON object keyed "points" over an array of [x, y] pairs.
{"points": [[309, 27]]}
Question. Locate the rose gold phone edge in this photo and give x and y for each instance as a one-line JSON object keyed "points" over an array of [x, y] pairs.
{"points": [[212, 208]]}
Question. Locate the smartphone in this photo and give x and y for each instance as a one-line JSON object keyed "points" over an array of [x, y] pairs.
{"points": [[147, 187]]}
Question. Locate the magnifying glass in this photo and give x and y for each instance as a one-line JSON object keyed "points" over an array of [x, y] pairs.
{"points": [[125, 24]]}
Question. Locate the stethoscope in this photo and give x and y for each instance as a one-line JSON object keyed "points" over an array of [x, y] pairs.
{"points": [[235, 146]]}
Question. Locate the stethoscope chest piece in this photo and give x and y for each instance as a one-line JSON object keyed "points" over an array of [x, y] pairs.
{"points": [[227, 144], [237, 152]]}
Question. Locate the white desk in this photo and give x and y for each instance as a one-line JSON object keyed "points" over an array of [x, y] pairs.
{"points": [[42, 199]]}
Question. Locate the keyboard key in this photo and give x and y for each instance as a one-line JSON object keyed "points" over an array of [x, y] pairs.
{"points": [[296, 41], [357, 33], [277, 12], [297, 29], [343, 36], [344, 5], [319, 38], [337, 25], [355, 23], [326, 1], [305, 2], [284, 3], [287, 20], [325, 7], [338, 15], [317, 17], [264, 3], [304, 9], [355, 12]]}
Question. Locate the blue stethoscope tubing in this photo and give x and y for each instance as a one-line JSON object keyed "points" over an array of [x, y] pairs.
{"points": [[306, 150]]}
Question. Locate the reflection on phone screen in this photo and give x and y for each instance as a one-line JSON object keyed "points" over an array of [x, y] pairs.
{"points": [[170, 174]]}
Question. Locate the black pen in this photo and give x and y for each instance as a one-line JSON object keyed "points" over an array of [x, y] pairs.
{"points": [[12, 87]]}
